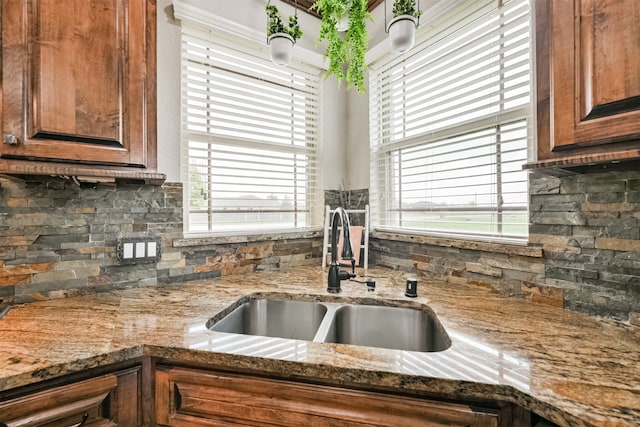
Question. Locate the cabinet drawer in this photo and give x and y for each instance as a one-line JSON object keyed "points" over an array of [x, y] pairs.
{"points": [[108, 400], [192, 397]]}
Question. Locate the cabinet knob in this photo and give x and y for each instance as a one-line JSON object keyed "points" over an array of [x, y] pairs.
{"points": [[9, 139]]}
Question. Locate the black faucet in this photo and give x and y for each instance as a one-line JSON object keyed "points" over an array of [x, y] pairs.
{"points": [[335, 274]]}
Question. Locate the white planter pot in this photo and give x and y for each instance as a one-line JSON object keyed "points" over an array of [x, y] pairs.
{"points": [[281, 48], [343, 23], [402, 33]]}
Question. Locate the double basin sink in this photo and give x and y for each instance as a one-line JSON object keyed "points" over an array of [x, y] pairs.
{"points": [[398, 328]]}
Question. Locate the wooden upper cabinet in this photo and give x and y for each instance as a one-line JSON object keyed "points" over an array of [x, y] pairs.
{"points": [[588, 79], [78, 81]]}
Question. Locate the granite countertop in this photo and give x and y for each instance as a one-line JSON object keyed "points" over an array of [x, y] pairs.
{"points": [[570, 368]]}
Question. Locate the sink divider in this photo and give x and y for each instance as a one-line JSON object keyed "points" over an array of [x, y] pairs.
{"points": [[323, 329]]}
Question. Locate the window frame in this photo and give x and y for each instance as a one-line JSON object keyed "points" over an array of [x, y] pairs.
{"points": [[313, 183], [381, 145]]}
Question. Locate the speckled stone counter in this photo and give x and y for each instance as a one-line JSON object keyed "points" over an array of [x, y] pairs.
{"points": [[570, 368]]}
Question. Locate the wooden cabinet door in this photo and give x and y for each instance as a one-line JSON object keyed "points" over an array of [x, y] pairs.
{"points": [[108, 400], [78, 81], [186, 397], [595, 72]]}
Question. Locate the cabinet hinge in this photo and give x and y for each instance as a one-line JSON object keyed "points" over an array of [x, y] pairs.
{"points": [[10, 139]]}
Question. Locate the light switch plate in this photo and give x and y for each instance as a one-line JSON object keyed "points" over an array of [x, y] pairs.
{"points": [[151, 249], [139, 250], [127, 252]]}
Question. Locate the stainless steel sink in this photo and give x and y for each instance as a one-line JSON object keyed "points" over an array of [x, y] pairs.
{"points": [[387, 327], [274, 318], [396, 328]]}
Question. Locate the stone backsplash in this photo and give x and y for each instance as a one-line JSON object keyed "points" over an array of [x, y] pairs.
{"points": [[589, 228], [58, 239], [583, 252], [509, 269]]}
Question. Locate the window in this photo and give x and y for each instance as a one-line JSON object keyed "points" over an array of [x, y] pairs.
{"points": [[451, 124], [249, 138]]}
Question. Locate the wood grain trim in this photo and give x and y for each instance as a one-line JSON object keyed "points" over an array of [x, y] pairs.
{"points": [[47, 130], [586, 159], [193, 397], [26, 167], [151, 90], [59, 412], [543, 78], [164, 397], [578, 81], [51, 404], [564, 26]]}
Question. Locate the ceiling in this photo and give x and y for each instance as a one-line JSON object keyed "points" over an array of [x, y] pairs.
{"points": [[306, 4]]}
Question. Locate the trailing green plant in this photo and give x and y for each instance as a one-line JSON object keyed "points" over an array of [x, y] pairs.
{"points": [[294, 27], [345, 54], [406, 7], [275, 24]]}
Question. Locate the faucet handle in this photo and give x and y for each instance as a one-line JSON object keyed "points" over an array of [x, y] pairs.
{"points": [[346, 275]]}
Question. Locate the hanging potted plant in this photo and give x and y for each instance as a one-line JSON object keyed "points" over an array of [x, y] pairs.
{"points": [[345, 54], [402, 28], [342, 16], [280, 38]]}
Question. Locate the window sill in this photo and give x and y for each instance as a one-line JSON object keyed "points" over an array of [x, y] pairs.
{"points": [[205, 240], [503, 248]]}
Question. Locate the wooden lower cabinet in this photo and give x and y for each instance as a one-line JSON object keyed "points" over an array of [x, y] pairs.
{"points": [[192, 397], [106, 400]]}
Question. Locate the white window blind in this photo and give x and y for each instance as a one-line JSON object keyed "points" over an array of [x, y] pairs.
{"points": [[450, 127], [249, 138]]}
